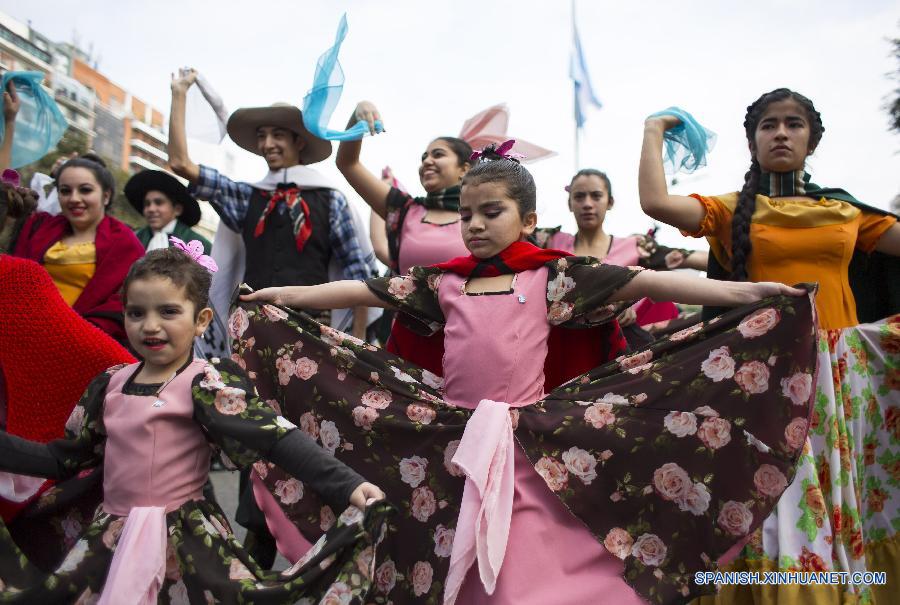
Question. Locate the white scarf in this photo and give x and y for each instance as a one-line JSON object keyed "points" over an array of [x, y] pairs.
{"points": [[160, 238]]}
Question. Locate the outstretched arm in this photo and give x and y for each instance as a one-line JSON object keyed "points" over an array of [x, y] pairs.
{"points": [[682, 212], [369, 187], [179, 159], [334, 295], [11, 104], [688, 289]]}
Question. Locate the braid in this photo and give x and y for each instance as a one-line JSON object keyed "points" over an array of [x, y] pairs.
{"points": [[741, 246]]}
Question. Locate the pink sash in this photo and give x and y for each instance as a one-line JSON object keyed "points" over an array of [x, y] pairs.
{"points": [[139, 565], [486, 456]]}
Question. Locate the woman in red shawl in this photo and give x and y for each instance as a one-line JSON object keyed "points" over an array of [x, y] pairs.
{"points": [[86, 252]]}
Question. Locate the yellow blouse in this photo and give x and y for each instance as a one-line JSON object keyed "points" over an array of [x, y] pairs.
{"points": [[799, 240], [71, 268]]}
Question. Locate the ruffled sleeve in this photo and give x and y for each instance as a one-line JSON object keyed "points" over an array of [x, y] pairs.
{"points": [[234, 418], [416, 295], [578, 289], [716, 220]]}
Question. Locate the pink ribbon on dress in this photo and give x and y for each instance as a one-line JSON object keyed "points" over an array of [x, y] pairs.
{"points": [[485, 454], [138, 568]]}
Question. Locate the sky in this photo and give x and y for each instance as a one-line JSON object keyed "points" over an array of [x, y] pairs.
{"points": [[430, 66]]}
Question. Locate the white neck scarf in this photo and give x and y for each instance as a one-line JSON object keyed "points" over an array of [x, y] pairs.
{"points": [[302, 176], [160, 238]]}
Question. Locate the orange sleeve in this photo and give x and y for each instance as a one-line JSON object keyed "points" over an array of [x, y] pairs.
{"points": [[717, 218], [871, 228]]}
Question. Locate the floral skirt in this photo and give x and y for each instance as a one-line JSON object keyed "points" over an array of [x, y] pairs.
{"points": [[204, 561], [669, 457], [842, 512]]}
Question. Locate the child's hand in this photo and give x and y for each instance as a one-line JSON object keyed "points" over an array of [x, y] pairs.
{"points": [[765, 289], [626, 317], [269, 295], [365, 494]]}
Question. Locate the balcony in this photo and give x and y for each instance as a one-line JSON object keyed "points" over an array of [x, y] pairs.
{"points": [[147, 148], [134, 160], [26, 46], [149, 130]]}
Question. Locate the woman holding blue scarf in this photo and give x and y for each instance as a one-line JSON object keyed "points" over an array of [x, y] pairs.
{"points": [[841, 513]]}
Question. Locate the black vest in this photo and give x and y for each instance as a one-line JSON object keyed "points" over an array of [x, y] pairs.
{"points": [[272, 258]]}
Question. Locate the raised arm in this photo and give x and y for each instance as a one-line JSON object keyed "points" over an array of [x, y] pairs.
{"points": [[682, 212], [369, 187], [334, 295], [688, 289], [179, 160], [11, 104]]}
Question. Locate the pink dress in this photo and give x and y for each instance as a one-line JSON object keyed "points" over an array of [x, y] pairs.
{"points": [[550, 556], [424, 243]]}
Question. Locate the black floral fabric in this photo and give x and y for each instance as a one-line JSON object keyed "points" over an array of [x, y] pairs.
{"points": [[669, 456]]}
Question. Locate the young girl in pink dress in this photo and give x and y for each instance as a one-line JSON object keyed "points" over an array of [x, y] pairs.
{"points": [[152, 426], [514, 540]]}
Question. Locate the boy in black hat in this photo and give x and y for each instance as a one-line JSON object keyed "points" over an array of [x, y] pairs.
{"points": [[168, 208]]}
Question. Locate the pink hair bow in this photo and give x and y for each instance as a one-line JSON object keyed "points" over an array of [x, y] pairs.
{"points": [[504, 151], [194, 249]]}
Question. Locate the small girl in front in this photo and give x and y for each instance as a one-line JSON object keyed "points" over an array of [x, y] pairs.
{"points": [[153, 425], [497, 307]]}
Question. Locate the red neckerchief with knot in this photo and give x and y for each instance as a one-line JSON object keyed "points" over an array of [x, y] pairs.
{"points": [[297, 209], [515, 258]]}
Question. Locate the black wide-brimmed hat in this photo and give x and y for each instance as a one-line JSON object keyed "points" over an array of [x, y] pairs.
{"points": [[157, 180]]}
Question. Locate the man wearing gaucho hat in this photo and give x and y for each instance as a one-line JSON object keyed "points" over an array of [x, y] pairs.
{"points": [[292, 222], [168, 207]]}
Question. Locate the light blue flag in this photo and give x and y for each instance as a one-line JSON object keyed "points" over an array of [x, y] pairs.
{"points": [[39, 124], [320, 101], [584, 94]]}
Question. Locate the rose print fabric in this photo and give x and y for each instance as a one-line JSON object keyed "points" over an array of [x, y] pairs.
{"points": [[669, 456], [204, 561], [842, 512]]}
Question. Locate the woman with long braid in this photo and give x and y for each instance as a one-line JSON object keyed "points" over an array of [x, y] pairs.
{"points": [[841, 513]]}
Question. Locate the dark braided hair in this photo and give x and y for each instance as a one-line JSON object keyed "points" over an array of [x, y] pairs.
{"points": [[741, 246], [495, 168], [460, 149]]}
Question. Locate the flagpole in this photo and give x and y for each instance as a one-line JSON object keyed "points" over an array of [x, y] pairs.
{"points": [[575, 101], [577, 148]]}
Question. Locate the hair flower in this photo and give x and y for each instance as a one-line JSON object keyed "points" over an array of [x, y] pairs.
{"points": [[194, 249]]}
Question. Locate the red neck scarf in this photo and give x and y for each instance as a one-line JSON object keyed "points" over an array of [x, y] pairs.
{"points": [[517, 257], [298, 210]]}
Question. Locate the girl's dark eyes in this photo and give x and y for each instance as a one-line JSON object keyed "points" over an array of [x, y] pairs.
{"points": [[133, 314], [464, 218]]}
